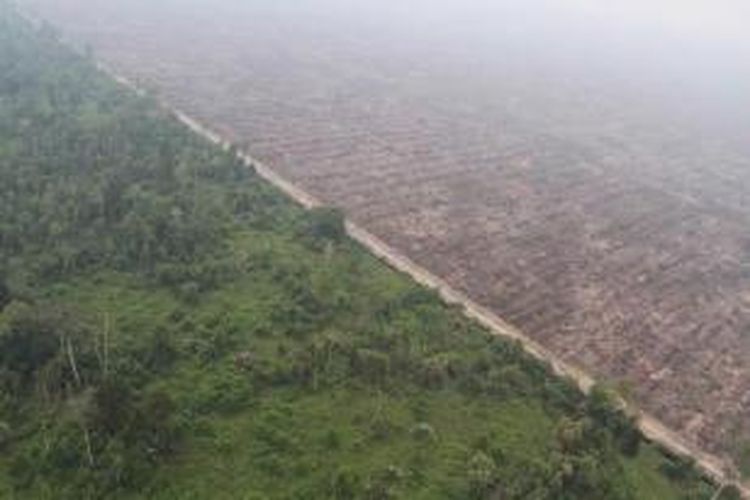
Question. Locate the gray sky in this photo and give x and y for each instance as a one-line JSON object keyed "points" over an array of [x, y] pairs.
{"points": [[683, 54]]}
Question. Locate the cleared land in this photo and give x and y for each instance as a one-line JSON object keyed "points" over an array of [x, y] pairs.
{"points": [[172, 327], [607, 228]]}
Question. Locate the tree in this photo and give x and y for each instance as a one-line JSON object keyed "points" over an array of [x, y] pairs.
{"points": [[345, 485], [608, 410], [729, 492], [155, 424], [5, 295], [679, 468], [570, 435], [481, 474], [29, 342], [325, 224], [113, 409], [372, 365]]}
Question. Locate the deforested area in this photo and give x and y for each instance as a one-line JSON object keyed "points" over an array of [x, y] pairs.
{"points": [[588, 184], [172, 327]]}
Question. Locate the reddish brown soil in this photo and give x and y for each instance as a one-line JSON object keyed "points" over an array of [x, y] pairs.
{"points": [[605, 228]]}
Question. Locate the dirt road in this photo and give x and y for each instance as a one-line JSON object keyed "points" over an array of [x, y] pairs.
{"points": [[585, 230], [652, 428]]}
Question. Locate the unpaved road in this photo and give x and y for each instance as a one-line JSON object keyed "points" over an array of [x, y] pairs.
{"points": [[651, 426], [566, 200]]}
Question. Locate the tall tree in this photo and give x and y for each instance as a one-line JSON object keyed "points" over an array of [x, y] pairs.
{"points": [[5, 295]]}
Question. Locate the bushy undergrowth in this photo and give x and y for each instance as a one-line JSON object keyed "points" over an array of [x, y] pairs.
{"points": [[172, 327]]}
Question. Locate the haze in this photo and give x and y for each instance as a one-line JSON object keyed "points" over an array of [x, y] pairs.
{"points": [[691, 58], [581, 168]]}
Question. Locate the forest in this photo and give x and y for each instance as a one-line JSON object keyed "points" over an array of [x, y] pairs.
{"points": [[173, 327]]}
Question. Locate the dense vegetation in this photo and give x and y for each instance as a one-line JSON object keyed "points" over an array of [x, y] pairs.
{"points": [[172, 327]]}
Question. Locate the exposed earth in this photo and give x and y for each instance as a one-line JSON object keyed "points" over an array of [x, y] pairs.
{"points": [[592, 213]]}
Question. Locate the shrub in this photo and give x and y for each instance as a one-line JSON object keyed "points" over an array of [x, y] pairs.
{"points": [[730, 492], [324, 224], [5, 295], [345, 485], [372, 365], [481, 475]]}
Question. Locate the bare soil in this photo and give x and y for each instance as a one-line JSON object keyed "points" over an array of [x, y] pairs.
{"points": [[608, 230]]}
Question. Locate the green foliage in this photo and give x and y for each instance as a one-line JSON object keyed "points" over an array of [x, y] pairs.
{"points": [[730, 492], [345, 485], [679, 468], [46, 347], [28, 342], [604, 408], [178, 329], [324, 224], [482, 475], [5, 295], [742, 456], [91, 177]]}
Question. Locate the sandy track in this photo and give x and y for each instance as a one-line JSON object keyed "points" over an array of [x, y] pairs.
{"points": [[652, 428], [712, 466]]}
